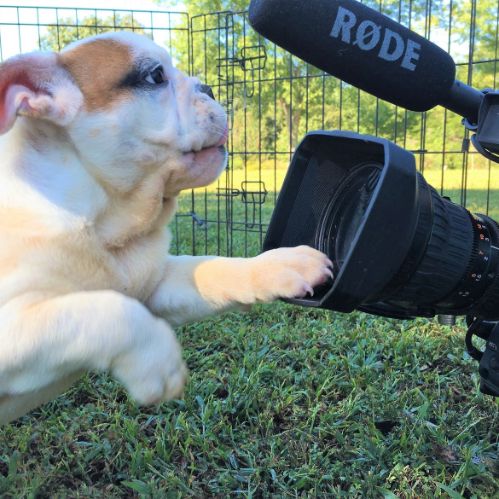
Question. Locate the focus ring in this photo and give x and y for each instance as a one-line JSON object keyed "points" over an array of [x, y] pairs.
{"points": [[447, 255]]}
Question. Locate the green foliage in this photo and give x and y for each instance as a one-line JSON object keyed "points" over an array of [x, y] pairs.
{"points": [[274, 99], [195, 7]]}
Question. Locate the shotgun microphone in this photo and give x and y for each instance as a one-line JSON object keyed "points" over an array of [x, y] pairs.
{"points": [[368, 50]]}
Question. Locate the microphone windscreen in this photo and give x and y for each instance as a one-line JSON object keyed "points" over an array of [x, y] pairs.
{"points": [[360, 46]]}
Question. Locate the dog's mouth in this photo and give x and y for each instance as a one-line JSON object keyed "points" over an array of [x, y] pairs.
{"points": [[199, 167], [220, 144]]}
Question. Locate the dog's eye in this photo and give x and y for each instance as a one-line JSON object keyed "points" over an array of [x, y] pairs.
{"points": [[156, 76]]}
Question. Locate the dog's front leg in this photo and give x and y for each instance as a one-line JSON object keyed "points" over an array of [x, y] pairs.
{"points": [[45, 340], [196, 287]]}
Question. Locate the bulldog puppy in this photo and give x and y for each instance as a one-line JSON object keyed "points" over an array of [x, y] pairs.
{"points": [[96, 143]]}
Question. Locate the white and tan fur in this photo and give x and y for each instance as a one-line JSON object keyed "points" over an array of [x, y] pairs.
{"points": [[93, 153]]}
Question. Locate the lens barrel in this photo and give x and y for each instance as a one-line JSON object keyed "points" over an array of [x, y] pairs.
{"points": [[452, 266]]}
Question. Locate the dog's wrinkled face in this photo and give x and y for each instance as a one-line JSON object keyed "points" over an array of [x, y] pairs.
{"points": [[110, 131], [141, 116]]}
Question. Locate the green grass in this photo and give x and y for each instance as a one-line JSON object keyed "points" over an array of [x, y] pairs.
{"points": [[282, 402]]}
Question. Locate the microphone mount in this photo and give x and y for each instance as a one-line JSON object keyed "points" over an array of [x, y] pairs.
{"points": [[464, 101], [480, 111], [486, 128]]}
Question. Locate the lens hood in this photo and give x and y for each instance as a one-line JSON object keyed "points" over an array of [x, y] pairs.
{"points": [[328, 175]]}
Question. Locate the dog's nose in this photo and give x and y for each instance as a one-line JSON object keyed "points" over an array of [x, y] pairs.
{"points": [[206, 89]]}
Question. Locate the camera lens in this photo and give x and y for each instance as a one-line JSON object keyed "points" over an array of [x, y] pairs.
{"points": [[344, 212], [452, 263], [457, 261], [398, 248]]}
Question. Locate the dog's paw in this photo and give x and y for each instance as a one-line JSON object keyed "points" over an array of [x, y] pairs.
{"points": [[153, 371], [289, 273]]}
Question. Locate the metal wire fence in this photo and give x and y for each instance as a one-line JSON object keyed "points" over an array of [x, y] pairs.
{"points": [[273, 99]]}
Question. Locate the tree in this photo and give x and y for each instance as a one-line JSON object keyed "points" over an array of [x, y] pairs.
{"points": [[276, 100]]}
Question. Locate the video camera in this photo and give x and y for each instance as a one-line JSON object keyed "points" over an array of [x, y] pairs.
{"points": [[399, 248]]}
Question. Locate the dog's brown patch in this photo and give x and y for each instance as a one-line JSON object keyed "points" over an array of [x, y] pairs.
{"points": [[98, 67]]}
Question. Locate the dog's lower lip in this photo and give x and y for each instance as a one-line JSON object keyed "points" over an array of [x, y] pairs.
{"points": [[218, 147]]}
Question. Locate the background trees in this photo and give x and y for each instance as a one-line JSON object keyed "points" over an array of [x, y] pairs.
{"points": [[274, 98], [68, 29]]}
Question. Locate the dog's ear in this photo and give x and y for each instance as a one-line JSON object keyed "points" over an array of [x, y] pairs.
{"points": [[37, 86]]}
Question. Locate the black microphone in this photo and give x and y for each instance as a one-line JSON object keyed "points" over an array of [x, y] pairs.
{"points": [[368, 50]]}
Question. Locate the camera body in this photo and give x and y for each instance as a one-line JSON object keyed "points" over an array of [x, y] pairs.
{"points": [[399, 249], [489, 364]]}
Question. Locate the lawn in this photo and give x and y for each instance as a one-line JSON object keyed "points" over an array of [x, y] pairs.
{"points": [[282, 402]]}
